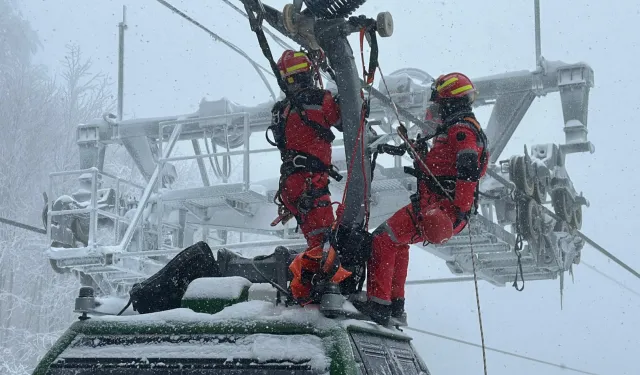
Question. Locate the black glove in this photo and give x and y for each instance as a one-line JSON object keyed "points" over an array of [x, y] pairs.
{"points": [[391, 149], [461, 216]]}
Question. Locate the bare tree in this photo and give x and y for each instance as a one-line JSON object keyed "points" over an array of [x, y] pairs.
{"points": [[18, 41], [38, 116], [85, 96]]}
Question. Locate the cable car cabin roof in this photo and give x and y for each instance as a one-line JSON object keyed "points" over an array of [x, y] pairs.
{"points": [[246, 337]]}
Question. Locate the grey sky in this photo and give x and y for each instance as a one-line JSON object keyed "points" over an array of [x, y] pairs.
{"points": [[171, 65]]}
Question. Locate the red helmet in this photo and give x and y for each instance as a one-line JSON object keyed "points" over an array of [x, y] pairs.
{"points": [[453, 85], [292, 63]]}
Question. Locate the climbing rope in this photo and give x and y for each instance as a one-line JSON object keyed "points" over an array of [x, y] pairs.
{"points": [[401, 131], [475, 283], [368, 78]]}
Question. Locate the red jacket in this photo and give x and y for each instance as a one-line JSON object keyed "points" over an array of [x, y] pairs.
{"points": [[320, 107], [457, 155]]}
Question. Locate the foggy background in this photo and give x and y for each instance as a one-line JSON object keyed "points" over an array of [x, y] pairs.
{"points": [[170, 65]]}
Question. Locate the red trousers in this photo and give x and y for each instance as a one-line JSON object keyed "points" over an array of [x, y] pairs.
{"points": [[387, 266], [315, 222]]}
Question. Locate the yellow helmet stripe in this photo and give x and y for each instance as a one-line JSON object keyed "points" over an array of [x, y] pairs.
{"points": [[461, 89], [299, 54], [446, 83], [297, 67]]}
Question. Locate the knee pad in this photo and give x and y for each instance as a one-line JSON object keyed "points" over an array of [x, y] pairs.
{"points": [[436, 226]]}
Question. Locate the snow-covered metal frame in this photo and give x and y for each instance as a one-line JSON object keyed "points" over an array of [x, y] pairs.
{"points": [[247, 207]]}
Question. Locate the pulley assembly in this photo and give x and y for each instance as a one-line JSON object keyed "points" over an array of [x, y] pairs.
{"points": [[329, 9], [535, 180]]}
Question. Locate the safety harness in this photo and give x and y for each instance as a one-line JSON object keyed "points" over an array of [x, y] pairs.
{"points": [[295, 161], [292, 161], [444, 186]]}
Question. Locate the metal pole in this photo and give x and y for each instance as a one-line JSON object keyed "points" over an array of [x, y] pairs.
{"points": [[246, 162], [118, 208], [93, 222], [440, 281], [537, 25], [201, 166], [122, 26], [340, 55], [155, 177]]}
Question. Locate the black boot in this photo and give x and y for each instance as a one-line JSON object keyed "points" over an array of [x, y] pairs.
{"points": [[378, 312], [397, 311], [164, 290]]}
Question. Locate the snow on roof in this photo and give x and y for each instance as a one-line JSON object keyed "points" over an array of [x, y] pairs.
{"points": [[258, 347], [113, 305], [252, 312], [217, 288], [263, 292]]}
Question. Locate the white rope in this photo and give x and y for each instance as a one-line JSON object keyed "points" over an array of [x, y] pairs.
{"points": [[475, 283]]}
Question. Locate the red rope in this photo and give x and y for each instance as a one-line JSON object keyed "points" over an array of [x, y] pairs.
{"points": [[368, 78]]}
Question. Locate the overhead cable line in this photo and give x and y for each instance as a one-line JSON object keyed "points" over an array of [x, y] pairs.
{"points": [[440, 281], [502, 351], [461, 279], [218, 38], [277, 39], [610, 278], [23, 226]]}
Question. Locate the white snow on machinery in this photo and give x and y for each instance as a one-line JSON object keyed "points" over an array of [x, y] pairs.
{"points": [[114, 232]]}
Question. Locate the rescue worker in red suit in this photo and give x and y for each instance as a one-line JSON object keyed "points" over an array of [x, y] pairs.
{"points": [[457, 159], [301, 125]]}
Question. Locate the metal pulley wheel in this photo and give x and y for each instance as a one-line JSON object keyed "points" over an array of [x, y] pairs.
{"points": [[288, 18], [563, 205], [530, 223], [576, 218], [545, 251], [384, 24], [561, 226], [521, 173], [540, 189]]}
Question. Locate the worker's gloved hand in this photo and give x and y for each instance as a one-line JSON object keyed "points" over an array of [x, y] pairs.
{"points": [[391, 149], [461, 216]]}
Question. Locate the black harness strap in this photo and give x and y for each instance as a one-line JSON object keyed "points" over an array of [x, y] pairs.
{"points": [[325, 133], [296, 161], [483, 155], [447, 183]]}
